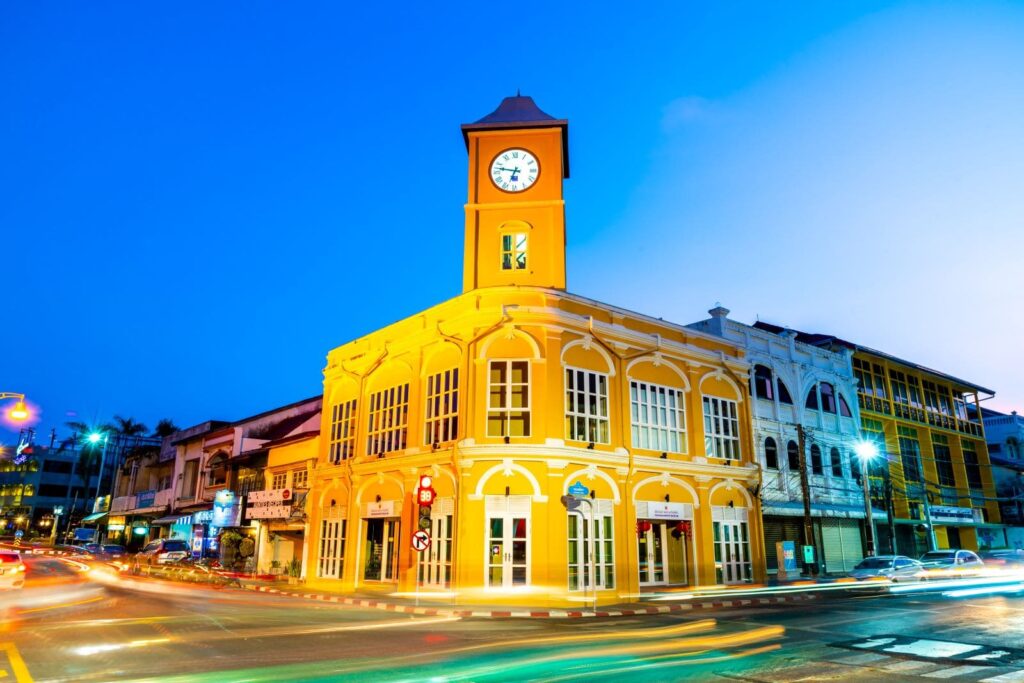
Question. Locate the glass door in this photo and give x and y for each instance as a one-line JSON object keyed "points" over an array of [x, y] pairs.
{"points": [[651, 553], [436, 561], [381, 543], [508, 549], [731, 552]]}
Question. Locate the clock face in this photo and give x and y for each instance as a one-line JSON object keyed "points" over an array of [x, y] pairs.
{"points": [[514, 170]]}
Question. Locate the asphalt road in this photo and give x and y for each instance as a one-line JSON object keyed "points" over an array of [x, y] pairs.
{"points": [[68, 625]]}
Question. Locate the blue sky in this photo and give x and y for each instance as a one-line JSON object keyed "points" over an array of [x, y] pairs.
{"points": [[199, 202]]}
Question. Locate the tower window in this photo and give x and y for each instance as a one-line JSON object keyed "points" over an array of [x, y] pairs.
{"points": [[513, 251]]}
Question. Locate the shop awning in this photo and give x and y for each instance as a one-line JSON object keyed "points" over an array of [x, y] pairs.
{"points": [[94, 517], [165, 521]]}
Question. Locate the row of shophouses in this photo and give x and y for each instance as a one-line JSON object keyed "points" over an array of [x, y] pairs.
{"points": [[699, 447]]}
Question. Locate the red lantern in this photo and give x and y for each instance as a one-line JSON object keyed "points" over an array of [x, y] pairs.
{"points": [[684, 528], [642, 527]]}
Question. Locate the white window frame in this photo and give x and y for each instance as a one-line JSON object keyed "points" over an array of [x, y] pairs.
{"points": [[596, 427], [441, 409], [279, 481], [506, 411], [721, 429], [343, 431], [387, 427], [331, 549], [298, 474], [604, 558], [659, 431], [517, 253]]}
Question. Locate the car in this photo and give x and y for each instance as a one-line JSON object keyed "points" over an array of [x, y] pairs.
{"points": [[112, 552], [163, 551], [12, 570], [895, 568], [951, 564], [1008, 558]]}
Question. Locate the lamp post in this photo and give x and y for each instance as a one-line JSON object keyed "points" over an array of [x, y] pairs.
{"points": [[867, 451], [19, 412], [94, 438]]}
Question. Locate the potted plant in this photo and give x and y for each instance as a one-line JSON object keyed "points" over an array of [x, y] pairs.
{"points": [[294, 571], [275, 567]]}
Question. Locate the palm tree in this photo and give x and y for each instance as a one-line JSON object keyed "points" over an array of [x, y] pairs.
{"points": [[127, 426], [165, 427]]}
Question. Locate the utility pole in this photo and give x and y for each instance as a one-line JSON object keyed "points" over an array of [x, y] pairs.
{"points": [[923, 481], [805, 489]]}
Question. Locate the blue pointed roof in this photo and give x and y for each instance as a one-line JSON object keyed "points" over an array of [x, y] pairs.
{"points": [[517, 112]]}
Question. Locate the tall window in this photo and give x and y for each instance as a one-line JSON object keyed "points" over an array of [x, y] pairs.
{"points": [[279, 481], [816, 464], [513, 251], [721, 428], [837, 462], [300, 478], [855, 470], [343, 431], [764, 384], [508, 402], [828, 397], [771, 454], [910, 449], [387, 429], [793, 455], [586, 406], [973, 466], [331, 558], [943, 460], [442, 409], [844, 408], [784, 396], [812, 399], [659, 418], [580, 539]]}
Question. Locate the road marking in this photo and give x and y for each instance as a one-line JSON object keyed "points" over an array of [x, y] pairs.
{"points": [[910, 665], [63, 604], [17, 664], [866, 658], [1011, 677], [956, 671], [933, 649]]}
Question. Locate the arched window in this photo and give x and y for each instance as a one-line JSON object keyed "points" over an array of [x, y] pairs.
{"points": [[784, 396], [218, 470], [812, 399], [828, 397], [817, 467], [855, 468], [837, 463], [793, 454], [844, 407], [764, 385], [771, 454]]}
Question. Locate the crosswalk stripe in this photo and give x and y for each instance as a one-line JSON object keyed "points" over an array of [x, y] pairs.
{"points": [[956, 671], [1011, 677], [910, 665]]}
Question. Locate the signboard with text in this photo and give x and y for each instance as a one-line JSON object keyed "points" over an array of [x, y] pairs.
{"points": [[945, 514]]}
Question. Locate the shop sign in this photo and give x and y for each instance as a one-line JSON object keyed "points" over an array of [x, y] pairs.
{"points": [[269, 497], [943, 514], [385, 508], [225, 509], [672, 511], [115, 524], [145, 499], [268, 512]]}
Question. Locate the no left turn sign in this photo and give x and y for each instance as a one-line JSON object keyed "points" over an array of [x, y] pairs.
{"points": [[420, 541]]}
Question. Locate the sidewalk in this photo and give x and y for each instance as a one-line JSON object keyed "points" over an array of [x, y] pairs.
{"points": [[435, 607]]}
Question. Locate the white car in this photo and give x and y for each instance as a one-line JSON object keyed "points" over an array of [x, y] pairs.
{"points": [[12, 570], [895, 568]]}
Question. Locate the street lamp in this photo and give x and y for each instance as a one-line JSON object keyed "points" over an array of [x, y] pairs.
{"points": [[95, 438], [19, 412], [867, 451]]}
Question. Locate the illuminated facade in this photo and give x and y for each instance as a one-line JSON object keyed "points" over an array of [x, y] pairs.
{"points": [[513, 392], [799, 385], [926, 425]]}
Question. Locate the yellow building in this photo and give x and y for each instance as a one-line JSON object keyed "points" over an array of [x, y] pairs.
{"points": [[513, 392], [939, 469]]}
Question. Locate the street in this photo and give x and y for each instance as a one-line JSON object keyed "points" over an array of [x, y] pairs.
{"points": [[91, 628]]}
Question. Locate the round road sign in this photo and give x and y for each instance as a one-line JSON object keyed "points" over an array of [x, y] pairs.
{"points": [[420, 540]]}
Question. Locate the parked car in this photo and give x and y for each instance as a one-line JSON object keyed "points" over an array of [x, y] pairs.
{"points": [[163, 551], [12, 570], [895, 568], [112, 552], [951, 564], [1009, 558]]}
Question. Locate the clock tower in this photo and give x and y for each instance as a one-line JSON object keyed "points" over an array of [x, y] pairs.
{"points": [[515, 216]]}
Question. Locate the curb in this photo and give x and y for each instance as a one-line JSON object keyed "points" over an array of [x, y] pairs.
{"points": [[531, 614]]}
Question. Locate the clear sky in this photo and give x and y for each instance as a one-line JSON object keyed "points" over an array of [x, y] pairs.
{"points": [[197, 203]]}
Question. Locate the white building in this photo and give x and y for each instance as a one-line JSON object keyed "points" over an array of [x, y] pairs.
{"points": [[793, 383], [1005, 436]]}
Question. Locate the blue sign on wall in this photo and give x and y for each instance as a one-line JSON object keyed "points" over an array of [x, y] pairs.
{"points": [[578, 490], [145, 499], [789, 557]]}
